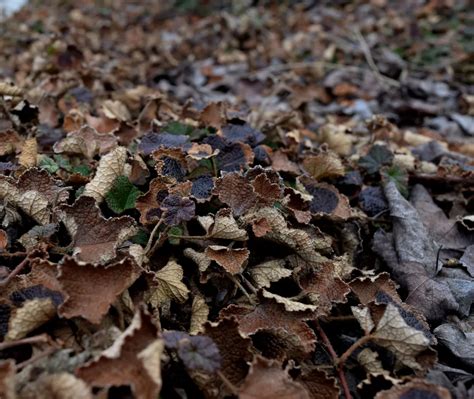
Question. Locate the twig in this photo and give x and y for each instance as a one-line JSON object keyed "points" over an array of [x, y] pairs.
{"points": [[159, 242], [184, 237], [232, 388], [241, 287], [332, 352], [14, 272], [353, 347], [152, 236], [35, 358], [36, 339], [370, 61]]}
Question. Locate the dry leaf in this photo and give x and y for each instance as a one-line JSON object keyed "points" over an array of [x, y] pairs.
{"points": [[232, 260], [267, 380], [132, 360], [289, 304], [116, 110], [57, 386], [268, 272], [86, 141], [110, 167], [326, 165], [33, 314], [92, 301], [29, 153], [235, 191], [169, 285], [199, 315], [224, 226], [416, 388], [200, 258], [94, 238], [7, 379]]}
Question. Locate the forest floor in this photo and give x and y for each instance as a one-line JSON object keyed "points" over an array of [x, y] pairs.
{"points": [[208, 200]]}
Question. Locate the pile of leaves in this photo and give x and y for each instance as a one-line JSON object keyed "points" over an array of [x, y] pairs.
{"points": [[267, 201]]}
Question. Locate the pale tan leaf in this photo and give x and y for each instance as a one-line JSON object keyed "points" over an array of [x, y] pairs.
{"points": [[116, 110], [268, 272], [226, 227], [169, 285], [405, 342], [324, 165], [364, 318], [199, 314], [151, 360], [58, 386], [110, 167], [7, 89], [29, 153], [289, 304], [200, 258], [370, 361], [31, 315]]}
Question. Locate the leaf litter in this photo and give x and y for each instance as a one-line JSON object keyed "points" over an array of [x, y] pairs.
{"points": [[187, 212]]}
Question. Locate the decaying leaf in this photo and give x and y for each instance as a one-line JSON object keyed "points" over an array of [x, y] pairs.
{"points": [[29, 153], [94, 238], [232, 260], [132, 360], [30, 316], [58, 385], [415, 388], [168, 285], [404, 341], [199, 315], [86, 141], [92, 301], [224, 226], [289, 304], [268, 272], [110, 167], [267, 379], [324, 165], [7, 379], [235, 191]]}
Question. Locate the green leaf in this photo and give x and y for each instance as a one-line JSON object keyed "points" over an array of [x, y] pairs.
{"points": [[140, 238], [399, 177], [377, 157], [83, 170], [178, 128], [122, 195], [63, 163], [48, 164], [175, 231]]}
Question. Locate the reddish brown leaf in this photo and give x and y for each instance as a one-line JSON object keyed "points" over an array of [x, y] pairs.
{"points": [[232, 260], [92, 301], [94, 238], [123, 363], [235, 191]]}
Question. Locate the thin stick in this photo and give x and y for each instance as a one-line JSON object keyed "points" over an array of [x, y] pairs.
{"points": [[232, 388], [353, 347], [36, 339], [35, 358], [152, 236], [332, 352], [370, 60], [14, 272], [184, 237], [241, 287], [159, 242]]}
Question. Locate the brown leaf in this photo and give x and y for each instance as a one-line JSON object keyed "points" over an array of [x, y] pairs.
{"points": [[132, 360], [7, 379], [3, 240], [92, 301], [323, 287], [268, 315], [415, 388], [116, 110], [325, 165], [213, 115], [267, 191], [235, 191], [234, 350], [268, 272], [94, 238], [199, 315], [86, 141], [35, 192], [319, 385], [232, 260], [224, 226], [267, 380], [149, 203], [367, 288]]}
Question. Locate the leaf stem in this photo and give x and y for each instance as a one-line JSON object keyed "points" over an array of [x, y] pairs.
{"points": [[332, 352], [184, 237], [14, 272], [353, 347], [152, 236], [36, 339]]}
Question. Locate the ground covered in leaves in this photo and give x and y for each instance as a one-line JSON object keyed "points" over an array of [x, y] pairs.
{"points": [[246, 200]]}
